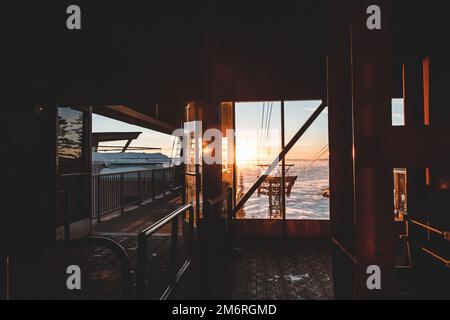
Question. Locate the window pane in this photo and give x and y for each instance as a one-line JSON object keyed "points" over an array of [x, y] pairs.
{"points": [[70, 138], [258, 142], [398, 112], [307, 167]]}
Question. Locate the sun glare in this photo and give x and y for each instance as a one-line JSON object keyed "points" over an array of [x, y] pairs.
{"points": [[245, 152]]}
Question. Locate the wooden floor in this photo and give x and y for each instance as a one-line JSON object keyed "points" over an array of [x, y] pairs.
{"points": [[279, 272], [266, 271]]}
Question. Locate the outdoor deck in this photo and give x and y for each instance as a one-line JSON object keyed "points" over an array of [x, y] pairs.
{"points": [[135, 219]]}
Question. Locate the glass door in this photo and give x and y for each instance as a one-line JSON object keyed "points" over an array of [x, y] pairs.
{"points": [[193, 156]]}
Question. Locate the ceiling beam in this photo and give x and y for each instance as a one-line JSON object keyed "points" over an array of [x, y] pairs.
{"points": [[132, 116]]}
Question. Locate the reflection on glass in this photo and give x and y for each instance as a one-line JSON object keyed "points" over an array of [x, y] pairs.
{"points": [[70, 137], [227, 122], [193, 166]]}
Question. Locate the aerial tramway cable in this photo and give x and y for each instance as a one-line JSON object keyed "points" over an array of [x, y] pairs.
{"points": [[260, 135], [314, 160], [269, 120]]}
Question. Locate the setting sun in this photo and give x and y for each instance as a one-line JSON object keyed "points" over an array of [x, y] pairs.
{"points": [[246, 151]]}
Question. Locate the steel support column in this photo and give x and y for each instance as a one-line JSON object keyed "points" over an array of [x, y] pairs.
{"points": [[340, 138], [374, 212]]}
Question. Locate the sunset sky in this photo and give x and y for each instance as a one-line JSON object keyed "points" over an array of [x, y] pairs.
{"points": [[148, 138], [251, 143], [263, 147]]}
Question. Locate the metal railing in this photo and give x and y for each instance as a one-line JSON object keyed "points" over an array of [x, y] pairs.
{"points": [[118, 251], [143, 237], [117, 191], [198, 190], [444, 235]]}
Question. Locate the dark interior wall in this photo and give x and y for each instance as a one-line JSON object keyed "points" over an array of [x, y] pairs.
{"points": [[142, 54], [340, 128], [265, 51], [411, 39], [28, 179], [422, 33], [146, 53], [438, 210]]}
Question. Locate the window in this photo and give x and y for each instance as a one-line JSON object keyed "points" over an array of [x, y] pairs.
{"points": [[71, 139]]}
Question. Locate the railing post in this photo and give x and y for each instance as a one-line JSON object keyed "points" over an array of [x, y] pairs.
{"points": [[229, 210], [197, 192], [122, 195], [163, 183], [191, 231], [183, 195], [141, 266], [99, 213], [153, 186], [204, 245], [173, 251], [139, 188]]}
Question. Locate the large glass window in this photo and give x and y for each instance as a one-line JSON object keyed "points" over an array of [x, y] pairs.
{"points": [[258, 142], [306, 170], [71, 139], [307, 162], [398, 112]]}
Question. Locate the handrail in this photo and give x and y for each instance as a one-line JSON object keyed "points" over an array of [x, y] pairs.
{"points": [[142, 250], [344, 250], [117, 249], [75, 174], [117, 191], [164, 221], [438, 257], [280, 156], [444, 234]]}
